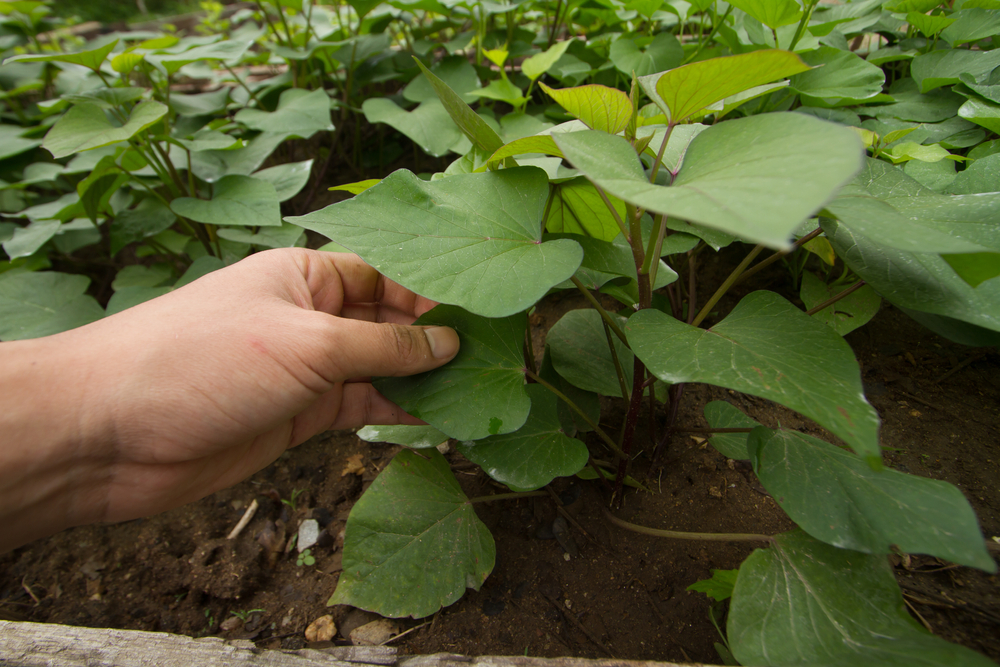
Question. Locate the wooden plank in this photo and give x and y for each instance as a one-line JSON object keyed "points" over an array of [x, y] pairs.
{"points": [[51, 645]]}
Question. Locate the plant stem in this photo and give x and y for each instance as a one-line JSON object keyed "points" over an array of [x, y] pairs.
{"points": [[781, 253], [834, 299], [650, 265], [663, 147], [724, 287], [508, 496], [692, 286], [619, 371], [678, 535], [600, 309], [628, 433], [241, 83], [715, 28], [803, 22], [529, 351], [583, 415]]}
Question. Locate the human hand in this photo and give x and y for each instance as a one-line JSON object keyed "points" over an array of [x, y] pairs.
{"points": [[197, 390]]}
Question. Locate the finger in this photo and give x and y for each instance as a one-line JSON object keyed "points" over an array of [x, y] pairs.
{"points": [[348, 406], [373, 312], [353, 348]]}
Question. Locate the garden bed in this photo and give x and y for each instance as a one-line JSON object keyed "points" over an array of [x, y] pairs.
{"points": [[623, 596]]}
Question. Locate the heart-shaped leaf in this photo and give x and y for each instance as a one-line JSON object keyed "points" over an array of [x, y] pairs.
{"points": [[580, 353], [299, 112], [720, 414], [769, 348], [663, 53], [757, 178], [236, 200], [832, 495], [539, 64], [87, 126], [469, 122], [288, 179], [481, 392], [599, 107], [41, 303], [946, 66], [471, 240], [91, 59], [772, 13], [429, 125], [838, 75], [803, 602], [535, 454], [413, 543]]}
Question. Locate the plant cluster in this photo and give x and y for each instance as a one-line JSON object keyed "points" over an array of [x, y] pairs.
{"points": [[612, 147]]}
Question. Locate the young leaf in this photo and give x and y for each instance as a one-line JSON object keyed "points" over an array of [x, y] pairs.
{"points": [[481, 392], [803, 602], [853, 311], [413, 542], [539, 64], [720, 414], [470, 240], [769, 348], [719, 587], [835, 497], [688, 89], [577, 208], [357, 187], [236, 200], [415, 437], [772, 13], [599, 107], [475, 128], [41, 303], [299, 112], [757, 178], [535, 454], [87, 126]]}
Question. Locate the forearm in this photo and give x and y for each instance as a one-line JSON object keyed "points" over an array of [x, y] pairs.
{"points": [[52, 458]]}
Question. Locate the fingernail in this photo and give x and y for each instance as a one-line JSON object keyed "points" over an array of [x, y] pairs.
{"points": [[443, 342]]}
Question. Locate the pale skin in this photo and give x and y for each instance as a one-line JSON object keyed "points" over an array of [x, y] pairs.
{"points": [[169, 401]]}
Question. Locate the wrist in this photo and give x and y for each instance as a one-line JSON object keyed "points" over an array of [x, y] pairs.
{"points": [[55, 449]]}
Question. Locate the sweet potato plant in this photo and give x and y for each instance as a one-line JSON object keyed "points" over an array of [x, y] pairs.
{"points": [[612, 148]]}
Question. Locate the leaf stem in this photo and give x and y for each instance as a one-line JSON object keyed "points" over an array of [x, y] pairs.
{"points": [[679, 535], [628, 433], [724, 287], [781, 253], [702, 43], [619, 371], [671, 124], [583, 415], [837, 297], [508, 496], [618, 219], [803, 22], [600, 309]]}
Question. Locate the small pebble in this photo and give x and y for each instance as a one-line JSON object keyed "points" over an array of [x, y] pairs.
{"points": [[321, 630], [308, 534], [374, 633]]}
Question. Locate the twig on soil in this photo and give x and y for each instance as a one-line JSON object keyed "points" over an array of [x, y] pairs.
{"points": [[566, 515], [974, 357], [235, 532], [27, 589], [579, 626], [403, 634], [680, 535], [923, 621], [959, 604]]}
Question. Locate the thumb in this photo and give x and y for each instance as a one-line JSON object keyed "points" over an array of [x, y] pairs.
{"points": [[360, 349]]}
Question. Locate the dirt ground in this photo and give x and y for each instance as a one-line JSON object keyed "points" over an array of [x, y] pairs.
{"points": [[604, 593]]}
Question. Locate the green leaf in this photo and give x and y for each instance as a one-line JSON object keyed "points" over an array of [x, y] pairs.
{"points": [[911, 105], [209, 140], [535, 144], [481, 392], [853, 311], [982, 175], [415, 437], [892, 209], [230, 50], [41, 303], [772, 13], [299, 112], [147, 219], [719, 587], [720, 414], [663, 53], [928, 25], [686, 90], [539, 64], [236, 200], [803, 602], [413, 542], [124, 63], [580, 354], [972, 25], [577, 208], [288, 179], [27, 240], [90, 59], [587, 401], [910, 150], [285, 236], [107, 98], [769, 348], [200, 104], [358, 187], [836, 498], [946, 66], [599, 107], [12, 143], [469, 122], [838, 75], [757, 178], [429, 125], [535, 454], [918, 281], [501, 90], [975, 268], [455, 71], [127, 297], [87, 126], [472, 240], [138, 275], [212, 165], [981, 112]]}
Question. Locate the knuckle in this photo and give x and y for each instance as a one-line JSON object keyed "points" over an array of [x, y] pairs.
{"points": [[407, 345]]}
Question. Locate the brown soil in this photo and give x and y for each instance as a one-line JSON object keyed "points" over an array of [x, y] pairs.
{"points": [[619, 594]]}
